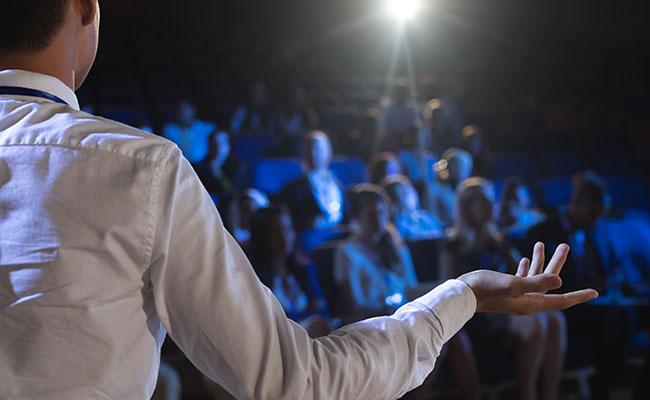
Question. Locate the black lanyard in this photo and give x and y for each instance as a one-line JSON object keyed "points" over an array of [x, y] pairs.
{"points": [[21, 91]]}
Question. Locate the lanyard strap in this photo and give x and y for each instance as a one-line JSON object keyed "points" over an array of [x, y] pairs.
{"points": [[21, 91]]}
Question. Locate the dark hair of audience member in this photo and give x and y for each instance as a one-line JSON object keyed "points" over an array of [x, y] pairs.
{"points": [[383, 165], [263, 232], [39, 23], [366, 201], [588, 187], [508, 195]]}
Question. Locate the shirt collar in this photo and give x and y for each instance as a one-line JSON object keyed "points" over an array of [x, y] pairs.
{"points": [[36, 81]]}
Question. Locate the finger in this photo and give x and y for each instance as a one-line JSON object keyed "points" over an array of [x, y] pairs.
{"points": [[537, 264], [550, 302], [522, 269], [535, 284], [558, 259]]}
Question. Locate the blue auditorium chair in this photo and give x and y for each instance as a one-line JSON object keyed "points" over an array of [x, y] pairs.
{"points": [[564, 164], [411, 168], [249, 148], [323, 259], [628, 193], [350, 170], [271, 174], [520, 164], [555, 191], [424, 253]]}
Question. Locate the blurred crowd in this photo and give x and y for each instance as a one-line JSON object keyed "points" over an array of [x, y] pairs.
{"points": [[414, 202]]}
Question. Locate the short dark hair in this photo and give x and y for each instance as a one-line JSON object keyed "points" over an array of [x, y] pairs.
{"points": [[588, 187], [364, 194], [28, 26]]}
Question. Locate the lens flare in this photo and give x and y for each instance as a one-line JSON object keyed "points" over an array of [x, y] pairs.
{"points": [[402, 10]]}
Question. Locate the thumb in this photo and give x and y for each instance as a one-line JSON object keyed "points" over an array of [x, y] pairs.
{"points": [[536, 284]]}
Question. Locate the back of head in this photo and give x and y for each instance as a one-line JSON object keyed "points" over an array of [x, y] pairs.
{"points": [[588, 187], [365, 194], [469, 191], [383, 165], [28, 26], [260, 228]]}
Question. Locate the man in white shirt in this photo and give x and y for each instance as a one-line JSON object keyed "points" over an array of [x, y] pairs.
{"points": [[108, 241]]}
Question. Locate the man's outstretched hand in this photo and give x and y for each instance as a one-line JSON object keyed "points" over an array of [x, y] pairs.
{"points": [[525, 292]]}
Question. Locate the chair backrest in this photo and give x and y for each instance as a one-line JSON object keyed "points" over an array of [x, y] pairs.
{"points": [[323, 260], [628, 193], [424, 253], [271, 174], [508, 164], [249, 148], [350, 170], [555, 191]]}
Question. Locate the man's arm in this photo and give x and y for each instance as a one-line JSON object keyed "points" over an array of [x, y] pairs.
{"points": [[235, 331]]}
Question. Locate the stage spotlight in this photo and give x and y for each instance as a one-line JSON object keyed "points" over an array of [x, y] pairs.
{"points": [[402, 10]]}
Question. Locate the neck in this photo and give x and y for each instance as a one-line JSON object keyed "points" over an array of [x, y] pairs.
{"points": [[42, 64]]}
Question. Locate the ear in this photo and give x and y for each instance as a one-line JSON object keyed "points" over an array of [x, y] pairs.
{"points": [[89, 10]]}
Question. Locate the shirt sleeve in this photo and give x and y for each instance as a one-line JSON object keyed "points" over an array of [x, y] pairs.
{"points": [[233, 329]]}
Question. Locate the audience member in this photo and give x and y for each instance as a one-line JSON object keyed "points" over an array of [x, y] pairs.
{"points": [[473, 141], [298, 116], [257, 116], [397, 118], [540, 339], [272, 251], [373, 267], [189, 133], [240, 210], [516, 212], [604, 330], [316, 199], [410, 220], [383, 165], [573, 224], [438, 197], [219, 171]]}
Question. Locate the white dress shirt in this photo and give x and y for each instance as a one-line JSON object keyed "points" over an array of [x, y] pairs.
{"points": [[108, 241]]}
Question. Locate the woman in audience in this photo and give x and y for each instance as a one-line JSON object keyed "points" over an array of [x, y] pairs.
{"points": [[373, 268], [316, 199], [540, 339], [383, 165], [516, 213], [219, 171], [293, 281], [243, 205], [411, 221], [438, 196]]}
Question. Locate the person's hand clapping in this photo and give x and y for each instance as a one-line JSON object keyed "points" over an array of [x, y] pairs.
{"points": [[525, 292]]}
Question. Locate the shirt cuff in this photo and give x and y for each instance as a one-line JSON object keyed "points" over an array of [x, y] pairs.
{"points": [[453, 302]]}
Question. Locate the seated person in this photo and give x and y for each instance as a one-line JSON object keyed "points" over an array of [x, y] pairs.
{"points": [[219, 172], [257, 115], [397, 118], [474, 144], [573, 224], [410, 220], [240, 210], [316, 199], [272, 251], [516, 213], [540, 339], [373, 268], [383, 165], [604, 331], [438, 196], [189, 133]]}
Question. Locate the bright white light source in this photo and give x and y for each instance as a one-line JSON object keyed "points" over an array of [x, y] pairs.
{"points": [[402, 10]]}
